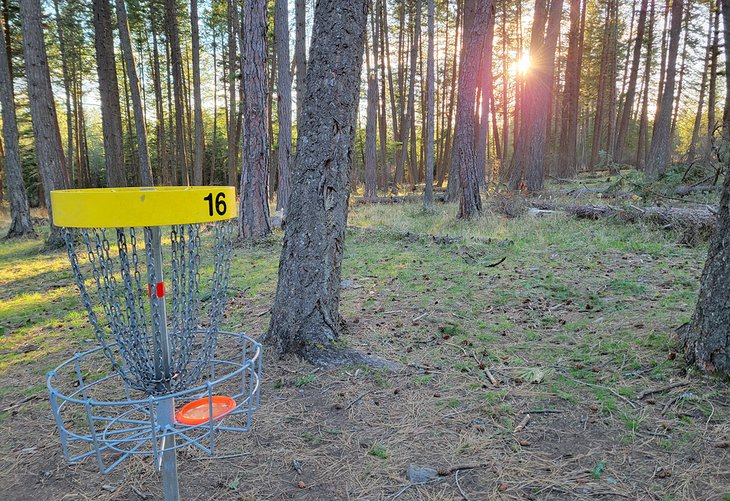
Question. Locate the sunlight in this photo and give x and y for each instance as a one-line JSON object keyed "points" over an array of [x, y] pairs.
{"points": [[521, 66]]}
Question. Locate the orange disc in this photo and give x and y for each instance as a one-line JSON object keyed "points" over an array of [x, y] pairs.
{"points": [[198, 411]]}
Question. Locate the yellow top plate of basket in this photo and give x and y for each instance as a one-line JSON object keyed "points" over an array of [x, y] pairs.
{"points": [[149, 206]]}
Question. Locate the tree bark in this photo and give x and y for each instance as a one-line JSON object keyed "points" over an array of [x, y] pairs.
{"points": [[173, 36], [21, 224], [706, 338], [529, 158], [145, 169], [283, 104], [253, 217], [111, 113], [628, 106], [408, 117], [464, 155], [49, 152], [642, 145], [66, 88], [300, 54], [371, 125], [712, 88], [659, 151], [233, 66], [430, 106], [199, 153], [485, 87], [701, 101], [305, 316]]}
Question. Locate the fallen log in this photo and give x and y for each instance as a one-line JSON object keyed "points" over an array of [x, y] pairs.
{"points": [[695, 224], [437, 197], [684, 190]]}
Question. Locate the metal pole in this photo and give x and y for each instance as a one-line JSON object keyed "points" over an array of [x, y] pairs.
{"points": [[166, 407]]}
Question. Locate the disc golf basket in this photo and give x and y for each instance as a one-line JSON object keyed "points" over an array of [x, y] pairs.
{"points": [[152, 268]]}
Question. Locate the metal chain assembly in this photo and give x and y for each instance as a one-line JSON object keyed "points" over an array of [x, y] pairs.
{"points": [[133, 315]]}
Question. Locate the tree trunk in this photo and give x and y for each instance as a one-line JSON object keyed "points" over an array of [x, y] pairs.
{"points": [[233, 65], [659, 151], [111, 114], [529, 158], [49, 152], [485, 86], [452, 188], [464, 155], [283, 104], [706, 339], [712, 89], [431, 110], [21, 224], [379, 47], [66, 88], [173, 36], [628, 106], [682, 69], [163, 164], [701, 102], [199, 153], [253, 217], [300, 54], [408, 117], [644, 120], [568, 155], [371, 123], [305, 317], [145, 169]]}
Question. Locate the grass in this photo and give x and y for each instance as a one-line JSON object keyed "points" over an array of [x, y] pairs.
{"points": [[574, 324]]}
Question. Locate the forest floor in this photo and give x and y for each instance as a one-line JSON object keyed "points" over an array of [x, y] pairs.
{"points": [[575, 321]]}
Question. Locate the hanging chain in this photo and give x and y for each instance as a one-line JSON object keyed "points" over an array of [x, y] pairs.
{"points": [[134, 314]]}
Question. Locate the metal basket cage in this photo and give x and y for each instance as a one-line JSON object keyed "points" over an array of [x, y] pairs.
{"points": [[98, 414]]}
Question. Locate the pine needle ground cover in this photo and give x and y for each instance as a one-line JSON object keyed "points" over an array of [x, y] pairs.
{"points": [[537, 360]]}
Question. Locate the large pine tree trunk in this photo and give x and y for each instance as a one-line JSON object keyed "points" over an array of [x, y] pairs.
{"points": [[659, 151], [408, 116], [173, 36], [485, 88], [233, 66], [199, 152], [568, 159], [281, 23], [253, 217], [430, 107], [701, 101], [163, 164], [370, 127], [706, 338], [644, 116], [49, 152], [529, 158], [111, 113], [305, 316], [464, 156], [66, 87], [20, 222], [628, 106], [712, 88], [145, 169], [300, 54]]}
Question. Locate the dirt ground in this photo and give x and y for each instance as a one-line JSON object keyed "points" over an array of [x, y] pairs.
{"points": [[522, 380]]}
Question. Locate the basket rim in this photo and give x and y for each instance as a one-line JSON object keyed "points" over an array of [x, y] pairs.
{"points": [[142, 206]]}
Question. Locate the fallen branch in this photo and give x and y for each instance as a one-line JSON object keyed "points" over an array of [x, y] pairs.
{"points": [[349, 406], [437, 197], [522, 424], [646, 393], [445, 472]]}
